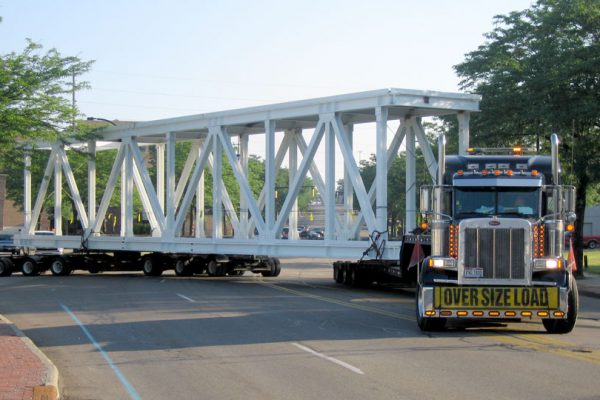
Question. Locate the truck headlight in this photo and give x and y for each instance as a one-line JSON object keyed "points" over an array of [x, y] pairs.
{"points": [[547, 263], [440, 262]]}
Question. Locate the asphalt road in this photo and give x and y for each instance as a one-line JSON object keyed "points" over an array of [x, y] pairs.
{"points": [[298, 336]]}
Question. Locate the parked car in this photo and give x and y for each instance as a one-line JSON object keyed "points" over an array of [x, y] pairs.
{"points": [[7, 243], [591, 242], [314, 233]]}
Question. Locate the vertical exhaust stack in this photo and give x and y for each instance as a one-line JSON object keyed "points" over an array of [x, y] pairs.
{"points": [[555, 164], [441, 159]]}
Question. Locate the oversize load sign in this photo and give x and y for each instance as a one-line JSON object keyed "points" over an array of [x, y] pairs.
{"points": [[496, 297]]}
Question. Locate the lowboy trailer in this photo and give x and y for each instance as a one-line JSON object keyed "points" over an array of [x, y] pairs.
{"points": [[173, 196]]}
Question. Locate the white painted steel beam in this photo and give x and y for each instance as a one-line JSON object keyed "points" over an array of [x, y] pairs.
{"points": [[411, 182], [91, 200], [57, 193], [27, 191], [381, 118], [41, 194], [168, 202], [75, 196]]}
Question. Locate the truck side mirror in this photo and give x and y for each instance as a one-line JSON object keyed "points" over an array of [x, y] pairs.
{"points": [[569, 199], [426, 203]]}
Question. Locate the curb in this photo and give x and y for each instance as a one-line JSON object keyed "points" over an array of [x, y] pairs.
{"points": [[50, 389]]}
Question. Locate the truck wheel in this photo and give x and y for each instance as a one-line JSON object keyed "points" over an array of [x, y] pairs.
{"points": [[29, 267], [214, 269], [182, 267], [349, 274], [426, 324], [58, 267], [338, 273], [6, 267], [565, 325], [592, 245], [150, 266], [274, 267]]}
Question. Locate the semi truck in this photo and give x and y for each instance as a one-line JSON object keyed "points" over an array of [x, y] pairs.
{"points": [[492, 242]]}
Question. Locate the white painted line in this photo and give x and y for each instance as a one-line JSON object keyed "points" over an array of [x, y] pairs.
{"points": [[186, 298], [130, 389], [331, 359]]}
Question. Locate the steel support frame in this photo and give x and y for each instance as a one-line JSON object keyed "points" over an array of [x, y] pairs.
{"points": [[168, 201]]}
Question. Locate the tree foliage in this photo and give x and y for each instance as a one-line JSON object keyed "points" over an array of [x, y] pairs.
{"points": [[539, 73]]}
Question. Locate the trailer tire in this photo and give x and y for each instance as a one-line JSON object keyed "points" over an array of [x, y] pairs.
{"points": [[150, 266], [426, 324], [274, 267], [561, 326], [349, 274], [182, 267], [6, 267], [29, 267], [58, 267], [214, 269], [338, 273]]}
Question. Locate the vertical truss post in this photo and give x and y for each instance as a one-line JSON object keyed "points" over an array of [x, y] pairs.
{"points": [[269, 178], [170, 184], [217, 167], [127, 193], [243, 154], [411, 181], [27, 190], [463, 132], [91, 200], [160, 175], [330, 183], [293, 168], [57, 194], [381, 116], [348, 189], [200, 233]]}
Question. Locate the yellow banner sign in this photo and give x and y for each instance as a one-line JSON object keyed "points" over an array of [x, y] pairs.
{"points": [[496, 297]]}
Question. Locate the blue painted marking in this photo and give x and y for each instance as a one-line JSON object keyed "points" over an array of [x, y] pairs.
{"points": [[130, 389]]}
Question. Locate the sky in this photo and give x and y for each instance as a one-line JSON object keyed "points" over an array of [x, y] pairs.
{"points": [[159, 59]]}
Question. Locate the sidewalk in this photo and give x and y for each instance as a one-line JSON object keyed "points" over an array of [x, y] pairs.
{"points": [[26, 372]]}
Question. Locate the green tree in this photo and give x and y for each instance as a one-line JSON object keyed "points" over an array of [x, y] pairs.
{"points": [[35, 87], [539, 73]]}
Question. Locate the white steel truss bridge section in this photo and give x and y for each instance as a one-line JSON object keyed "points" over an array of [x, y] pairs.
{"points": [[256, 224]]}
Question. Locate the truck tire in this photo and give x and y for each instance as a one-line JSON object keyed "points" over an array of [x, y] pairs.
{"points": [[426, 324], [214, 268], [59, 267], [349, 274], [29, 267], [561, 326], [274, 267], [592, 244], [150, 266], [182, 267], [338, 273], [6, 267]]}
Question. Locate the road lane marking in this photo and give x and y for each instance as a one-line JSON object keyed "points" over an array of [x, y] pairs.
{"points": [[547, 345], [186, 298], [130, 389], [542, 343], [330, 359], [340, 302]]}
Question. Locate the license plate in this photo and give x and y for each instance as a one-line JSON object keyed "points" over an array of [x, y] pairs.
{"points": [[473, 273], [496, 297]]}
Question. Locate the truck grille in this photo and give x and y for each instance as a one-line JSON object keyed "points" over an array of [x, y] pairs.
{"points": [[499, 252]]}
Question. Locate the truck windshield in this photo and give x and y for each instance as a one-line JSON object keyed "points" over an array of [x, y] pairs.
{"points": [[488, 201]]}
